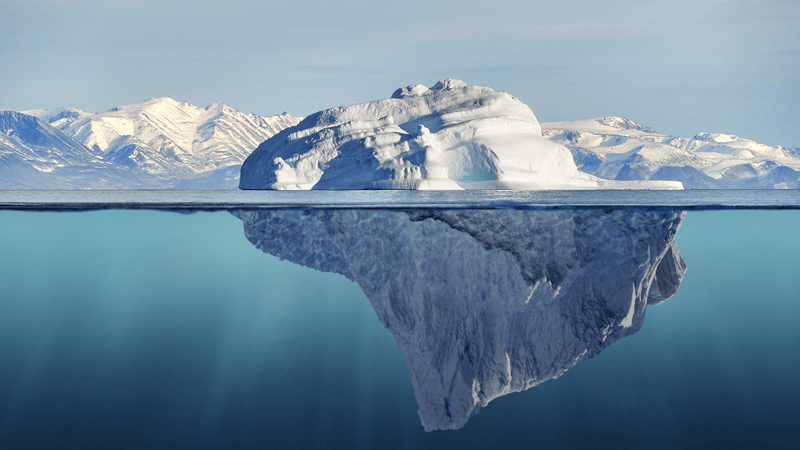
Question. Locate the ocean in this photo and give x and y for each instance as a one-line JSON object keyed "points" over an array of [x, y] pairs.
{"points": [[149, 328]]}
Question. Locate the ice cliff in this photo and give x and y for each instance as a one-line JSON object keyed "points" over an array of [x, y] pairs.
{"points": [[484, 303], [451, 136]]}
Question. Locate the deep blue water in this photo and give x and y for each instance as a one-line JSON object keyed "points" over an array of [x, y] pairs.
{"points": [[145, 329]]}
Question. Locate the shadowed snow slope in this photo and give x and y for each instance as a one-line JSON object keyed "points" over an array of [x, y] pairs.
{"points": [[484, 303], [451, 136], [36, 155]]}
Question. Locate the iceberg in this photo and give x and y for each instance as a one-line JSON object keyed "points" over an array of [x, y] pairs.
{"points": [[451, 136], [483, 303]]}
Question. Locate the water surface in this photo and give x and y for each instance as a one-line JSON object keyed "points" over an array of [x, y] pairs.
{"points": [[399, 199]]}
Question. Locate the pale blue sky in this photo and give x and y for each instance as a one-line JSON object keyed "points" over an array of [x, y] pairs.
{"points": [[681, 67]]}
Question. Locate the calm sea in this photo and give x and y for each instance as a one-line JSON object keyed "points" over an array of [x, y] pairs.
{"points": [[150, 329], [166, 199]]}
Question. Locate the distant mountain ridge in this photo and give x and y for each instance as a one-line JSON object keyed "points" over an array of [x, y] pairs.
{"points": [[619, 149], [159, 143], [164, 143]]}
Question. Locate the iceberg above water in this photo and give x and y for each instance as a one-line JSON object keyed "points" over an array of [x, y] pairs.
{"points": [[449, 137], [483, 303]]}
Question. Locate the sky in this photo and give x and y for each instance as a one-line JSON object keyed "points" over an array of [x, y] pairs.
{"points": [[680, 67]]}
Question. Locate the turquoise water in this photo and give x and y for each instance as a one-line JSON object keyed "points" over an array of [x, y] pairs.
{"points": [[145, 329]]}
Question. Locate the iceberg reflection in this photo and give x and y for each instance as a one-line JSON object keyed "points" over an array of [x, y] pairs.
{"points": [[487, 302]]}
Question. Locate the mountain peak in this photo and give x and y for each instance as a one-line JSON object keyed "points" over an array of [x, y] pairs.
{"points": [[717, 137], [58, 117], [161, 100], [31, 131], [622, 123]]}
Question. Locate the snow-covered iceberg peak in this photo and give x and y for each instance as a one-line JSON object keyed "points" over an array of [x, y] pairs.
{"points": [[484, 303], [451, 136]]}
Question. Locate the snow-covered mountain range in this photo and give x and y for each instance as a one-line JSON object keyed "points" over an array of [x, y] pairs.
{"points": [[163, 143], [159, 143], [620, 149]]}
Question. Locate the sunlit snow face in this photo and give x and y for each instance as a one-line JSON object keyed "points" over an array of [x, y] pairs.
{"points": [[618, 148], [451, 136]]}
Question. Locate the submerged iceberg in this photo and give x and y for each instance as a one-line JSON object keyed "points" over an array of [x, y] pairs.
{"points": [[451, 136], [484, 303]]}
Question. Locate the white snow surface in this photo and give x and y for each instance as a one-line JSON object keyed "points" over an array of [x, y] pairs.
{"points": [[483, 303], [173, 136], [618, 148], [59, 117], [159, 143], [451, 136], [36, 155]]}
